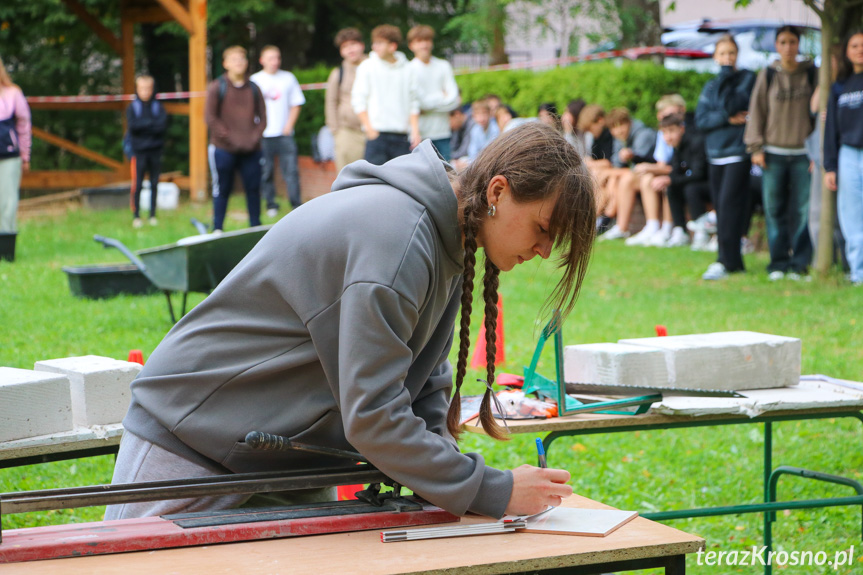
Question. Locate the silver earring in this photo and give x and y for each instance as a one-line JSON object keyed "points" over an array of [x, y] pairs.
{"points": [[492, 210]]}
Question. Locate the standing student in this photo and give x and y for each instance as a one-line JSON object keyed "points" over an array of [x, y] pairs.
{"points": [[339, 340], [721, 116], [284, 99], [147, 122], [15, 137], [775, 135], [843, 150], [384, 97], [236, 114], [344, 124], [436, 89]]}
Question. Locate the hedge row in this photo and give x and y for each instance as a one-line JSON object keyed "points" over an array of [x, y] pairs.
{"points": [[634, 85]]}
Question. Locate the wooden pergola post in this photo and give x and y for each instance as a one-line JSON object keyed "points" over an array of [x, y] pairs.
{"points": [[197, 83]]}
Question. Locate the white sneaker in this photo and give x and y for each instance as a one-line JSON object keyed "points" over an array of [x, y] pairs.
{"points": [[746, 247], [713, 244], [641, 238], [678, 238], [659, 240], [613, 233], [704, 223], [272, 213], [154, 222], [715, 271], [700, 240], [776, 276], [137, 223]]}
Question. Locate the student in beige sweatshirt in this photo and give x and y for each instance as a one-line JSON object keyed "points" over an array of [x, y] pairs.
{"points": [[779, 123], [350, 142]]}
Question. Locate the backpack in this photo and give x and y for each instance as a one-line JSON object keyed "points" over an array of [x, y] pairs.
{"points": [[9, 137], [223, 89]]}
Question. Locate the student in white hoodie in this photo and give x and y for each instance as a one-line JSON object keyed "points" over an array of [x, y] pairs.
{"points": [[384, 98], [436, 89]]}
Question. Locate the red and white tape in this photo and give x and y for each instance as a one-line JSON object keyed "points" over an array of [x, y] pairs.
{"points": [[630, 53]]}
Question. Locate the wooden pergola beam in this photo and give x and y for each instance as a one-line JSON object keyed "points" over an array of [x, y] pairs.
{"points": [[76, 149], [101, 31], [179, 13]]}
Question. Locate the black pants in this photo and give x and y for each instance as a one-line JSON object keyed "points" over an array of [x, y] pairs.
{"points": [[729, 186], [385, 147], [692, 194], [150, 162]]}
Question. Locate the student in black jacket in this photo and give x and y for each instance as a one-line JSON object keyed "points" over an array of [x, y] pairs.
{"points": [[147, 121], [843, 150], [721, 116], [686, 185]]}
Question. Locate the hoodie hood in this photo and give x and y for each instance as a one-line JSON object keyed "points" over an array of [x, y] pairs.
{"points": [[401, 60], [422, 175]]}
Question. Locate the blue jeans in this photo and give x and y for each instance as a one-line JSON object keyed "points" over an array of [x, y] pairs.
{"points": [[385, 147], [786, 211], [223, 165], [285, 148], [443, 146], [850, 204]]}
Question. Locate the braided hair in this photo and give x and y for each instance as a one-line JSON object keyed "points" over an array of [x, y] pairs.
{"points": [[538, 163]]}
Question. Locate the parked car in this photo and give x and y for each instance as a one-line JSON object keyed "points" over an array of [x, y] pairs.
{"points": [[755, 40]]}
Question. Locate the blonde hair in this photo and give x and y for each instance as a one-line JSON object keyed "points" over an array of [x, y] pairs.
{"points": [[234, 49], [670, 100], [726, 39], [538, 163], [588, 116]]}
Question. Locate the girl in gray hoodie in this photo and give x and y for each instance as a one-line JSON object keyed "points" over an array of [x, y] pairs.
{"points": [[335, 330]]}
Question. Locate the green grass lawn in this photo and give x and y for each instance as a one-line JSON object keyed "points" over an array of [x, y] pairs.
{"points": [[627, 292]]}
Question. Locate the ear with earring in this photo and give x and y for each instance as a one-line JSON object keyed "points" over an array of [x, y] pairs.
{"points": [[492, 210]]}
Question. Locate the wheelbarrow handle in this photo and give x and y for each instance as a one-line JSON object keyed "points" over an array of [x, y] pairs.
{"points": [[112, 243]]}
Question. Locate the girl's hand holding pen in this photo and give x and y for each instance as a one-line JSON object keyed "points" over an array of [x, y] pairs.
{"points": [[535, 488]]}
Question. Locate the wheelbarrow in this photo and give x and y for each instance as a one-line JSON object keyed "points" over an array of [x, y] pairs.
{"points": [[193, 264]]}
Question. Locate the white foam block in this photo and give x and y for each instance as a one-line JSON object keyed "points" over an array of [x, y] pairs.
{"points": [[99, 386], [614, 363], [33, 403], [731, 360]]}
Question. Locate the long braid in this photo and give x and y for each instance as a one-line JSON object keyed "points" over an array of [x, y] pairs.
{"points": [[491, 281], [471, 224]]}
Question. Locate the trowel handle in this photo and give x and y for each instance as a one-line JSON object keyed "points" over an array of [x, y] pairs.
{"points": [[271, 442]]}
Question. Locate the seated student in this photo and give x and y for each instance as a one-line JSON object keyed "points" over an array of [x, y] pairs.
{"points": [[459, 124], [597, 139], [547, 114], [633, 144], [687, 185], [508, 119], [483, 130], [643, 174], [569, 122]]}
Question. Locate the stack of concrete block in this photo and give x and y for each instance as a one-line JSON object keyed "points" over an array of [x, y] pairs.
{"points": [[33, 403], [99, 387], [733, 360]]}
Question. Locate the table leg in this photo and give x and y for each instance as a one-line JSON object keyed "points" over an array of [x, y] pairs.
{"points": [[676, 565], [769, 516]]}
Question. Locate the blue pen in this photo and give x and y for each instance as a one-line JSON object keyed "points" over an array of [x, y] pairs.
{"points": [[541, 451]]}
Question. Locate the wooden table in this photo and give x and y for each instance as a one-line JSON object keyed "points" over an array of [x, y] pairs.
{"points": [[80, 442], [640, 544]]}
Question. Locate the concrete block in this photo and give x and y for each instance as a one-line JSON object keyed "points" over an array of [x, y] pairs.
{"points": [[33, 403], [614, 363], [731, 360], [99, 386]]}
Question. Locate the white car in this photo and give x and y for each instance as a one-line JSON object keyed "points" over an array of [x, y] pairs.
{"points": [[755, 40]]}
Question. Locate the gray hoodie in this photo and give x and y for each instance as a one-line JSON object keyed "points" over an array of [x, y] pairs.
{"points": [[333, 331]]}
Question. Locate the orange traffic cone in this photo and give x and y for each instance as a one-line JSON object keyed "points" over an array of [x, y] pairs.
{"points": [[479, 352], [136, 356]]}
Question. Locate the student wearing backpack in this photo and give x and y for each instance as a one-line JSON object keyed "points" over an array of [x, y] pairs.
{"points": [[344, 124], [14, 148], [236, 115], [147, 121], [843, 150], [779, 123]]}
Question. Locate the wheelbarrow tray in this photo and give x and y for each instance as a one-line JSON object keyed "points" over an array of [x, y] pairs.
{"points": [[108, 280], [199, 263]]}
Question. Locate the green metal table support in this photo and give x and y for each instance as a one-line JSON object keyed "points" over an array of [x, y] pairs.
{"points": [[771, 477]]}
